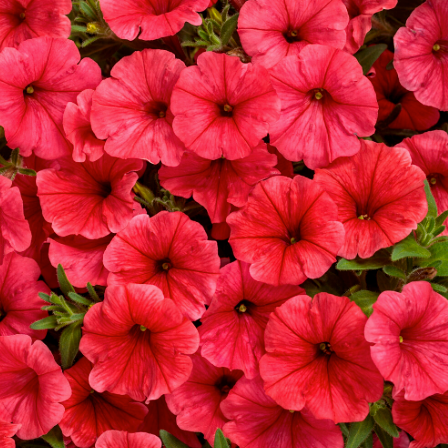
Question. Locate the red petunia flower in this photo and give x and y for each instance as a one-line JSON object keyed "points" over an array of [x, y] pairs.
{"points": [[7, 431], [138, 343], [37, 81], [424, 420], [122, 439], [32, 386], [223, 107], [92, 199], [24, 19], [171, 252], [88, 414], [380, 197], [150, 20], [132, 108], [197, 402], [323, 113], [257, 421], [410, 338], [271, 30], [421, 53], [317, 358], [390, 93], [232, 330], [218, 184], [287, 230]]}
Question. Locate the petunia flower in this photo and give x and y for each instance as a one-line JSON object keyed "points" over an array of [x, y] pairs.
{"points": [[380, 196], [317, 358], [138, 342], [131, 109], [272, 30], [32, 386], [37, 81], [223, 107], [232, 330], [123, 439], [7, 431], [171, 252], [287, 231], [257, 421]]}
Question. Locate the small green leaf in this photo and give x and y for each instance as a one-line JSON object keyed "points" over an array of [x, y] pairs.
{"points": [[229, 28], [383, 418], [89, 41], [364, 299], [170, 441], [78, 29], [441, 218], [54, 438], [92, 292], [368, 443], [439, 253], [27, 172], [79, 299], [386, 439], [380, 259], [367, 57], [45, 297], [393, 271], [432, 206], [409, 248], [46, 323], [87, 11], [69, 344], [220, 440], [359, 432], [439, 288], [344, 429], [64, 284]]}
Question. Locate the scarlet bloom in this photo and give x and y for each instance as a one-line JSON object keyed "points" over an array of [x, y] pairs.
{"points": [[390, 94], [122, 439], [92, 199], [421, 53], [88, 414], [151, 20], [287, 230], [424, 420], [171, 252], [410, 338], [8, 430], [25, 19], [271, 30], [32, 386], [132, 108], [257, 421], [197, 402], [37, 81], [232, 330], [317, 358], [138, 343], [380, 196], [223, 107], [219, 184]]}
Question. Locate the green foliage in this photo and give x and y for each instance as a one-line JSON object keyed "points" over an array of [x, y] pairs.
{"points": [[367, 57], [364, 299], [170, 441], [409, 247], [359, 432], [14, 166], [220, 440], [377, 261], [54, 438], [69, 344]]}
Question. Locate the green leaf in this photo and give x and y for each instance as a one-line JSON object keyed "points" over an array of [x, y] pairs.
{"points": [[367, 57], [439, 288], [69, 344], [364, 299], [54, 438], [45, 297], [369, 441], [87, 11], [46, 323], [432, 206], [393, 271], [64, 284], [170, 441], [409, 248], [92, 292], [390, 65], [441, 218], [386, 439], [359, 432], [220, 440], [79, 299], [380, 259], [26, 172], [383, 418], [344, 429], [78, 29], [439, 253], [229, 28]]}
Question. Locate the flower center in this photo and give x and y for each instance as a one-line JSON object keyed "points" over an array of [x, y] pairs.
{"points": [[318, 94], [440, 49], [226, 110], [225, 384], [29, 90], [106, 189], [156, 109], [433, 178], [142, 328], [242, 307], [401, 339], [164, 265], [292, 412], [325, 347], [22, 16], [292, 36], [364, 217]]}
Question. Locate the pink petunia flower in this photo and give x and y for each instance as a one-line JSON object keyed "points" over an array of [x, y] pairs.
{"points": [[317, 358], [271, 30], [24, 19], [132, 108], [197, 402], [421, 53], [150, 20], [37, 81], [410, 338], [7, 431], [171, 252], [138, 342], [32, 386], [88, 414], [287, 230], [218, 184], [223, 107], [92, 199], [232, 330], [122, 439], [323, 111], [257, 421], [380, 196]]}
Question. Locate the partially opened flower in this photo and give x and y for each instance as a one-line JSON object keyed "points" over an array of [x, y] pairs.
{"points": [[271, 30], [232, 330], [25, 19], [88, 414], [37, 81], [223, 107], [32, 386], [323, 113], [123, 439], [218, 184], [380, 197], [171, 252], [150, 20], [257, 421], [197, 402], [421, 53], [7, 431], [131, 109], [138, 342], [287, 230], [317, 358], [92, 199]]}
